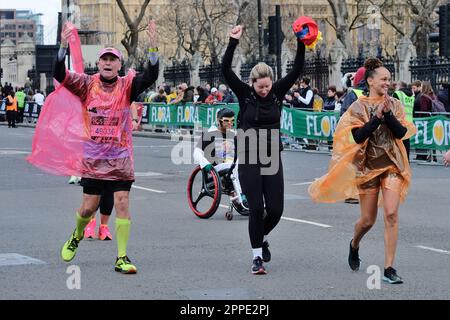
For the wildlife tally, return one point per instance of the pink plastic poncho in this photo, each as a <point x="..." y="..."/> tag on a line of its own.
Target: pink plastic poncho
<point x="85" y="127"/>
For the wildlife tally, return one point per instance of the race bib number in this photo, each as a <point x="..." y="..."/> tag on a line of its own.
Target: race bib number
<point x="105" y="129"/>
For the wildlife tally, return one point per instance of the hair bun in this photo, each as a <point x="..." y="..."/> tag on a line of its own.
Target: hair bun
<point x="372" y="64"/>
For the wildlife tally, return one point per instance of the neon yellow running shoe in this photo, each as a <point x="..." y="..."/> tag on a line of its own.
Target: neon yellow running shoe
<point x="69" y="248"/>
<point x="124" y="265"/>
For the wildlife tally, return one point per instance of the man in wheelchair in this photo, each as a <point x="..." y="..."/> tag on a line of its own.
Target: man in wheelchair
<point x="216" y="147"/>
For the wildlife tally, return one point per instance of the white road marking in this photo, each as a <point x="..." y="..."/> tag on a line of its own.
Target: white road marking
<point x="12" y="152"/>
<point x="308" y="222"/>
<point x="157" y="146"/>
<point x="223" y="206"/>
<point x="147" y="174"/>
<point x="433" y="249"/>
<point x="302" y="183"/>
<point x="148" y="189"/>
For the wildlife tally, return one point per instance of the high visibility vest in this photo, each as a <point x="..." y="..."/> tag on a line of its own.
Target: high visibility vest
<point x="408" y="102"/>
<point x="12" y="107"/>
<point x="358" y="92"/>
<point x="20" y="99"/>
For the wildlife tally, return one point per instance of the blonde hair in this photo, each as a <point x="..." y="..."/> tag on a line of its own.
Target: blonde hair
<point x="427" y="88"/>
<point x="261" y="70"/>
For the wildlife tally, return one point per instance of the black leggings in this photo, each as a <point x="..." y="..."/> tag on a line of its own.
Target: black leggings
<point x="11" y="116"/>
<point x="259" y="190"/>
<point x="106" y="202"/>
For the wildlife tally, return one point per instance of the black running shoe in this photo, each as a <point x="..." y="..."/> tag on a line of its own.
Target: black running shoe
<point x="257" y="267"/>
<point x="352" y="201"/>
<point x="353" y="258"/>
<point x="266" y="252"/>
<point x="390" y="276"/>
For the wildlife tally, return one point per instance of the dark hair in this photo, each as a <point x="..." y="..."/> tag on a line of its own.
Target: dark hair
<point x="200" y="90"/>
<point x="332" y="88"/>
<point x="306" y="80"/>
<point x="371" y="65"/>
<point x="403" y="84"/>
<point x="339" y="94"/>
<point x="225" y="112"/>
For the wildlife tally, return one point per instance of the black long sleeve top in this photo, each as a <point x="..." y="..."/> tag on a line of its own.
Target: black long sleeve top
<point x="363" y="133"/>
<point x="264" y="114"/>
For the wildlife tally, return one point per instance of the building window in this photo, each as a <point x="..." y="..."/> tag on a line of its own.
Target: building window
<point x="7" y="15"/>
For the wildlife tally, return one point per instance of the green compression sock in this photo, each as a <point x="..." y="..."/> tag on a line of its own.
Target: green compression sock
<point x="123" y="227"/>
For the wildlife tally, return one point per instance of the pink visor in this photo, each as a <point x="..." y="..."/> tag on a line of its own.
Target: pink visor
<point x="112" y="51"/>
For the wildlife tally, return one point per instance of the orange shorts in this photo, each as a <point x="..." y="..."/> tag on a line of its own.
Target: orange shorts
<point x="390" y="179"/>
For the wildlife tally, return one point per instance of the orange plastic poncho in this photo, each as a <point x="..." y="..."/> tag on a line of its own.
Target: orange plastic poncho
<point x="350" y="163"/>
<point x="85" y="126"/>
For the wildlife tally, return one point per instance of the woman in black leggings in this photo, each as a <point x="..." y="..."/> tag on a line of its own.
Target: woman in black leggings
<point x="260" y="168"/>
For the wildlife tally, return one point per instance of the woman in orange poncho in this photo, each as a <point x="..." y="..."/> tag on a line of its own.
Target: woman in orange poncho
<point x="369" y="156"/>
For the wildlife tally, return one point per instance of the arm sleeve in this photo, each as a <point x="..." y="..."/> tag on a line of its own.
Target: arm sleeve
<point x="59" y="73"/>
<point x="284" y="84"/>
<point x="142" y="82"/>
<point x="394" y="125"/>
<point x="364" y="132"/>
<point x="236" y="85"/>
<point x="307" y="99"/>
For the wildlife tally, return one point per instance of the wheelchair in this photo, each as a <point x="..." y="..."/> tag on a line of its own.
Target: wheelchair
<point x="204" y="192"/>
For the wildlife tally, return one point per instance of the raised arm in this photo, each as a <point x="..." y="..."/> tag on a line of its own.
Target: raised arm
<point x="284" y="84"/>
<point x="236" y="85"/>
<point x="142" y="82"/>
<point x="74" y="82"/>
<point x="59" y="73"/>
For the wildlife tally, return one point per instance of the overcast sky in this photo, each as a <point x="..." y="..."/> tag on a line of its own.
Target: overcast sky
<point x="49" y="9"/>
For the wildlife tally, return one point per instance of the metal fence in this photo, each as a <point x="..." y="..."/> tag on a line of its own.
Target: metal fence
<point x="178" y="73"/>
<point x="211" y="74"/>
<point x="434" y="69"/>
<point x="317" y="69"/>
<point x="353" y="64"/>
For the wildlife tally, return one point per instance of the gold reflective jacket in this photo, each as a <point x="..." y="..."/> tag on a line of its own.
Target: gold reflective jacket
<point x="353" y="164"/>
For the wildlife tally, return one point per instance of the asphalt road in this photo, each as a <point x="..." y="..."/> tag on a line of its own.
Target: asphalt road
<point x="182" y="257"/>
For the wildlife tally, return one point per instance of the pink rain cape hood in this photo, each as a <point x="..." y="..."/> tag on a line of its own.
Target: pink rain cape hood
<point x="61" y="131"/>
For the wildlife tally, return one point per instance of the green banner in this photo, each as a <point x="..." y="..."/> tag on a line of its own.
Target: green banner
<point x="207" y="113"/>
<point x="173" y="115"/>
<point x="432" y="133"/>
<point x="185" y="114"/>
<point x="308" y="124"/>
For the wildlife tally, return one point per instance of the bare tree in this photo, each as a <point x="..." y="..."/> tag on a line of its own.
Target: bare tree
<point x="343" y="24"/>
<point x="200" y="26"/>
<point x="422" y="14"/>
<point x="182" y="22"/>
<point x="131" y="36"/>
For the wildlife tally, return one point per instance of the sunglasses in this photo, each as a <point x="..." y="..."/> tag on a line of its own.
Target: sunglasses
<point x="227" y="120"/>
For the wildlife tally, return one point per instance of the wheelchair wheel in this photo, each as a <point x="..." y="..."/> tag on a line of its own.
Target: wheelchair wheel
<point x="204" y="192"/>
